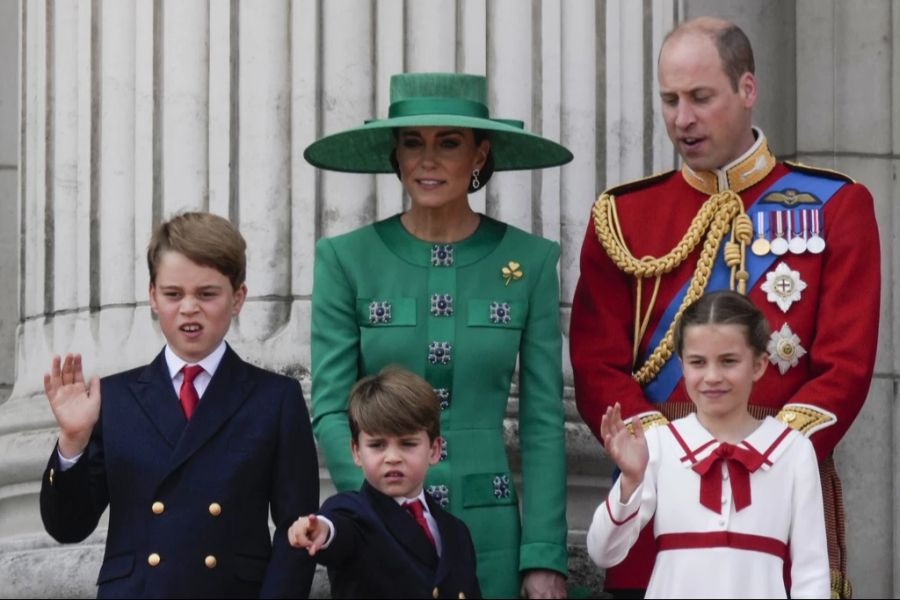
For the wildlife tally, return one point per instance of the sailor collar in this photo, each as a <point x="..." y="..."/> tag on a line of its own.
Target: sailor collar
<point x="771" y="439"/>
<point x="747" y="170"/>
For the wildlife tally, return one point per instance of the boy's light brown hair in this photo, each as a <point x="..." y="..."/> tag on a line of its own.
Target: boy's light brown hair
<point x="395" y="401"/>
<point x="206" y="239"/>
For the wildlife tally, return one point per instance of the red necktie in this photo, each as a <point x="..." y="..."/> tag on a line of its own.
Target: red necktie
<point x="188" y="394"/>
<point x="741" y="462"/>
<point x="418" y="513"/>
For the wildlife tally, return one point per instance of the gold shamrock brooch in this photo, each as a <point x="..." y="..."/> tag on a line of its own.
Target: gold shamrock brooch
<point x="511" y="271"/>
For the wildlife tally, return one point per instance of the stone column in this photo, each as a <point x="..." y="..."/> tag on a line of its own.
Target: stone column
<point x="132" y="110"/>
<point x="848" y="99"/>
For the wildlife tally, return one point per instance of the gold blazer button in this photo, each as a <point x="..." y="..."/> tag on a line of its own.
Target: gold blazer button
<point x="210" y="561"/>
<point x="153" y="559"/>
<point x="158" y="508"/>
<point x="215" y="509"/>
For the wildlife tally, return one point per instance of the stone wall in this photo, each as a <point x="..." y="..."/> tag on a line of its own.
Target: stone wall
<point x="131" y="110"/>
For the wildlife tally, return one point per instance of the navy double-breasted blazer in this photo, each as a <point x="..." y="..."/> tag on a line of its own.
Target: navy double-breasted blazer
<point x="189" y="501"/>
<point x="379" y="551"/>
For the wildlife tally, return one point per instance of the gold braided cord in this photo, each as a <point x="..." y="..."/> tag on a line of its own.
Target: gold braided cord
<point x="719" y="214"/>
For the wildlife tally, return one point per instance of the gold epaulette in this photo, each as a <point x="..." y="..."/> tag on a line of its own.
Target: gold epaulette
<point x="820" y="171"/>
<point x="805" y="418"/>
<point x="638" y="184"/>
<point x="649" y="420"/>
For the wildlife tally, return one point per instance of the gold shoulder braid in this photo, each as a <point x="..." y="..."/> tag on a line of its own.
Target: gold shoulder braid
<point x="805" y="418"/>
<point x="649" y="420"/>
<point x="721" y="212"/>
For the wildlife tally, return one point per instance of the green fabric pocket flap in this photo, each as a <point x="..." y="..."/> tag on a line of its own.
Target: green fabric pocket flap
<point x="488" y="489"/>
<point x="385" y="312"/>
<point x="508" y="314"/>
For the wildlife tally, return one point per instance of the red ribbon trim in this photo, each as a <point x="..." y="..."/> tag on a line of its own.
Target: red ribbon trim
<point x="718" y="539"/>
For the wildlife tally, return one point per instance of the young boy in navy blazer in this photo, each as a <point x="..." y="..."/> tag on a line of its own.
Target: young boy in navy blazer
<point x="190" y="452"/>
<point x="390" y="539"/>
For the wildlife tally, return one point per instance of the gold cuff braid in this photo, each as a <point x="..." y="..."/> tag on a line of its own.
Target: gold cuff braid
<point x="718" y="214"/>
<point x="840" y="585"/>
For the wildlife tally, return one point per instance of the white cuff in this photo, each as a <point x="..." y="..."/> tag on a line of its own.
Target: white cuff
<point x="331" y="532"/>
<point x="67" y="463"/>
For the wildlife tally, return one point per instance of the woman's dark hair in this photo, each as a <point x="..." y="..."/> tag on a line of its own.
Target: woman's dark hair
<point x="725" y="307"/>
<point x="486" y="170"/>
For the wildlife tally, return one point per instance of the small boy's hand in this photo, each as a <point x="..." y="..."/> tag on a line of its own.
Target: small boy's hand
<point x="75" y="407"/>
<point x="308" y="532"/>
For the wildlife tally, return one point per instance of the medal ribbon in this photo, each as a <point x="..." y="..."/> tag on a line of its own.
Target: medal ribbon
<point x="823" y="188"/>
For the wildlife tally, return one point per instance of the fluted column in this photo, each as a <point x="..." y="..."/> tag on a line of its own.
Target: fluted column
<point x="132" y="110"/>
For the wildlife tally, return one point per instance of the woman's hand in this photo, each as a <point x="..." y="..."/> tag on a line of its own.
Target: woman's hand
<point x="75" y="407"/>
<point x="543" y="583"/>
<point x="627" y="448"/>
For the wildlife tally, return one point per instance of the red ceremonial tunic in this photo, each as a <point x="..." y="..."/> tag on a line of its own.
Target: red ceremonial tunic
<point x="835" y="320"/>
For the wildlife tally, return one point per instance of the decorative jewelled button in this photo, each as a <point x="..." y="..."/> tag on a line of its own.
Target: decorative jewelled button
<point x="440" y="494"/>
<point x="379" y="312"/>
<point x="443" y="448"/>
<point x="439" y="353"/>
<point x="500" y="312"/>
<point x="442" y="255"/>
<point x="501" y="486"/>
<point x="441" y="305"/>
<point x="443" y="395"/>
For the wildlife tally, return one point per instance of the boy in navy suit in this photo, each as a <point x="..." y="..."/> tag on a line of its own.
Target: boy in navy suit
<point x="390" y="539"/>
<point x="190" y="452"/>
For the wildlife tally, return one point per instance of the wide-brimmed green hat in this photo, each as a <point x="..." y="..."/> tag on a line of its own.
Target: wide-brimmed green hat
<point x="434" y="99"/>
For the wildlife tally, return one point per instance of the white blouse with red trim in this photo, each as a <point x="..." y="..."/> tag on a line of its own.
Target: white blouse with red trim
<point x="727" y="554"/>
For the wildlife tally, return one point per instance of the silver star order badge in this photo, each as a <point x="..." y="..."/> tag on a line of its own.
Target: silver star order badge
<point x="783" y="286"/>
<point x="784" y="349"/>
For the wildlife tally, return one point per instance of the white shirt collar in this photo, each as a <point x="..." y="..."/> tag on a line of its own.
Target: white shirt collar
<point x="210" y="363"/>
<point x="421" y="498"/>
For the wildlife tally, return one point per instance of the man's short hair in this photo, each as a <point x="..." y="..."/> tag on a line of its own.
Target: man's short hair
<point x="394" y="401"/>
<point x="206" y="239"/>
<point x="732" y="43"/>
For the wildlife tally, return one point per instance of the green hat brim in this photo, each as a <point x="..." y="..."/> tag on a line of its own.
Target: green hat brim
<point x="367" y="149"/>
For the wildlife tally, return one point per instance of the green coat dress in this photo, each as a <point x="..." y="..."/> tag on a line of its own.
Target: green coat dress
<point x="449" y="313"/>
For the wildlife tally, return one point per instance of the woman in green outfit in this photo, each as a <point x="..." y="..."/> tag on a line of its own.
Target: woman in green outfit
<point x="456" y="297"/>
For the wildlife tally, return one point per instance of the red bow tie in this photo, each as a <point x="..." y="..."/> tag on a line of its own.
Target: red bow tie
<point x="741" y="462"/>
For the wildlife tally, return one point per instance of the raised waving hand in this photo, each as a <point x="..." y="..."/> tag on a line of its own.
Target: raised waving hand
<point x="628" y="448"/>
<point x="75" y="406"/>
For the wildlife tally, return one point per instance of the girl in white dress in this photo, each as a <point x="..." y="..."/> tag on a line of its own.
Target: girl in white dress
<point x="733" y="496"/>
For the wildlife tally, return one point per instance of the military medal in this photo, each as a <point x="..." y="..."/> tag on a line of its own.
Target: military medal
<point x="779" y="244"/>
<point x="783" y="286"/>
<point x="797" y="244"/>
<point x="784" y="349"/>
<point x="816" y="242"/>
<point x="760" y="246"/>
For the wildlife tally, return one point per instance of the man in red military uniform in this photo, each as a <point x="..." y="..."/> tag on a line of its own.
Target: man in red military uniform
<point x="802" y="243"/>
